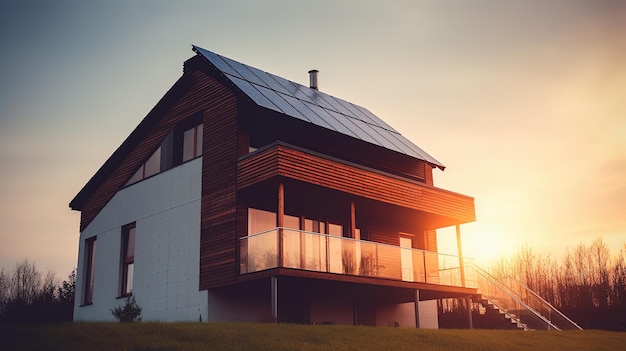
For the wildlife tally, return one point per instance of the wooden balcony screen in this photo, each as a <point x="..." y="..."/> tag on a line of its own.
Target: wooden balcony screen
<point x="280" y="160"/>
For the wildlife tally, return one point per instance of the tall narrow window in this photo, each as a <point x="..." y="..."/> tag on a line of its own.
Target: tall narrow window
<point x="90" y="260"/>
<point x="128" y="258"/>
<point x="192" y="143"/>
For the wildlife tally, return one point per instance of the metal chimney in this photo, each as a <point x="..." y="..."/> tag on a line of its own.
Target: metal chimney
<point x="313" y="79"/>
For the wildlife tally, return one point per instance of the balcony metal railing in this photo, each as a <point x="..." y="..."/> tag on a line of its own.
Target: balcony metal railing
<point x="290" y="248"/>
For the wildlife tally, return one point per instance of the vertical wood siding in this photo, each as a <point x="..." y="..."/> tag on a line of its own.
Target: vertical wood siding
<point x="218" y="254"/>
<point x="431" y="240"/>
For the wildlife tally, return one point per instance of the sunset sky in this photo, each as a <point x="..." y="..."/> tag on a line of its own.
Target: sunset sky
<point x="524" y="102"/>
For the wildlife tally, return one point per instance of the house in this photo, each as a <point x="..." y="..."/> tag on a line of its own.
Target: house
<point x="243" y="196"/>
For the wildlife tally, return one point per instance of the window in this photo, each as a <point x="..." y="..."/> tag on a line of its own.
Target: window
<point x="128" y="259"/>
<point x="182" y="144"/>
<point x="260" y="221"/>
<point x="151" y="167"/>
<point x="192" y="143"/>
<point x="90" y="260"/>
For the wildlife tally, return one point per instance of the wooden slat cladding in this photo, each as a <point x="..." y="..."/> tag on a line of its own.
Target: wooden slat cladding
<point x="265" y="128"/>
<point x="431" y="240"/>
<point x="218" y="252"/>
<point x="428" y="174"/>
<point x="281" y="160"/>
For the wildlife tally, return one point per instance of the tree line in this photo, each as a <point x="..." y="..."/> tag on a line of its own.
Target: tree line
<point x="28" y="295"/>
<point x="588" y="284"/>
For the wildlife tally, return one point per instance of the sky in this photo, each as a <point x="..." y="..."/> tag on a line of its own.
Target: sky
<point x="523" y="101"/>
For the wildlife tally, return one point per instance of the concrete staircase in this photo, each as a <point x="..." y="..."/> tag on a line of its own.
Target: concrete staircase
<point x="491" y="316"/>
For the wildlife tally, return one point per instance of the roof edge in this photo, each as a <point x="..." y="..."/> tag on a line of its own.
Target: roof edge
<point x="118" y="156"/>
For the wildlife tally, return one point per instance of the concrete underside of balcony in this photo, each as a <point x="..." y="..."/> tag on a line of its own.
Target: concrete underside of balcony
<point x="427" y="291"/>
<point x="314" y="298"/>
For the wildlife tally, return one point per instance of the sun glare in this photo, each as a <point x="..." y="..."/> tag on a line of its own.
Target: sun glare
<point x="483" y="244"/>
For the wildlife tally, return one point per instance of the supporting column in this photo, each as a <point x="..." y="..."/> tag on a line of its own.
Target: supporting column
<point x="460" y="249"/>
<point x="468" y="300"/>
<point x="417" y="308"/>
<point x="280" y="221"/>
<point x="274" y="296"/>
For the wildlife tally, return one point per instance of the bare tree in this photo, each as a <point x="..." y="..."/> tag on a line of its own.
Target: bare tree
<point x="4" y="292"/>
<point x="25" y="285"/>
<point x="587" y="283"/>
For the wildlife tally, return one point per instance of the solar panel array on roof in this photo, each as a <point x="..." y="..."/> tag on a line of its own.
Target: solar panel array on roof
<point x="311" y="105"/>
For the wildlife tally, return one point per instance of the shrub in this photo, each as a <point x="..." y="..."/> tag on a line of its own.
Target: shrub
<point x="129" y="312"/>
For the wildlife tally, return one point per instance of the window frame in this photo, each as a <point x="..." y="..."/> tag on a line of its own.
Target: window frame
<point x="89" y="271"/>
<point x="196" y="142"/>
<point x="170" y="152"/>
<point x="127" y="259"/>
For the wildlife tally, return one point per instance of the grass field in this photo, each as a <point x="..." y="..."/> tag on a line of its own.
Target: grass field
<point x="258" y="337"/>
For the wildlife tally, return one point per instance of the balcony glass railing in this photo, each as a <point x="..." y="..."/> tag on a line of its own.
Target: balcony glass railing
<point x="332" y="254"/>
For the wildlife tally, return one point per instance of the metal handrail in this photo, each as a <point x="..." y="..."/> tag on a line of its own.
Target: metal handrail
<point x="550" y="307"/>
<point x="511" y="294"/>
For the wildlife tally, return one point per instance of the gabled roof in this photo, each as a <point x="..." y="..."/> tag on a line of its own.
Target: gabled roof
<point x="311" y="105"/>
<point x="277" y="94"/>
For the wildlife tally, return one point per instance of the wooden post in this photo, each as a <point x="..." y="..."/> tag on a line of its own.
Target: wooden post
<point x="280" y="219"/>
<point x="417" y="308"/>
<point x="461" y="263"/>
<point x="352" y="220"/>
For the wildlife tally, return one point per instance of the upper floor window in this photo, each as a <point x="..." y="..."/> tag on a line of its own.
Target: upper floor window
<point x="151" y="167"/>
<point x="192" y="143"/>
<point x="184" y="143"/>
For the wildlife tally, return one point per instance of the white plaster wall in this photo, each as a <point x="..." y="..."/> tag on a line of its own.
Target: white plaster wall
<point x="166" y="208"/>
<point x="403" y="314"/>
<point x="429" y="317"/>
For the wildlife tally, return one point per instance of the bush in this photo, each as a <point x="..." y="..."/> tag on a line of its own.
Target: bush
<point x="129" y="312"/>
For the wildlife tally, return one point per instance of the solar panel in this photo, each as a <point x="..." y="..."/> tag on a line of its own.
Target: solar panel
<point x="330" y="119"/>
<point x="310" y="105"/>
<point x="269" y="81"/>
<point x="254" y="93"/>
<point x="279" y="100"/>
<point x="310" y="115"/>
<point x="216" y="60"/>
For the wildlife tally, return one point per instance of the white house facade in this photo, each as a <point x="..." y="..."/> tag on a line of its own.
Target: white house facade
<point x="165" y="210"/>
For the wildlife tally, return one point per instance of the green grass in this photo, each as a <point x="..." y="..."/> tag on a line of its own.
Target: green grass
<point x="258" y="337"/>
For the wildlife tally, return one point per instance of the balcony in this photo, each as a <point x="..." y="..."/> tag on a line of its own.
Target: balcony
<point x="297" y="249"/>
